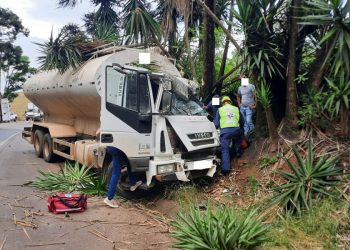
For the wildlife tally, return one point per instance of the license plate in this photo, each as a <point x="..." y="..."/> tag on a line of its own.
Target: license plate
<point x="204" y="164"/>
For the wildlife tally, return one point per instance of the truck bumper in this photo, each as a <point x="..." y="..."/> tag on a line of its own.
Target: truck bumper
<point x="182" y="171"/>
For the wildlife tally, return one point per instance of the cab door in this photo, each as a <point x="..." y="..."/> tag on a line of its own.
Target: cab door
<point x="126" y="121"/>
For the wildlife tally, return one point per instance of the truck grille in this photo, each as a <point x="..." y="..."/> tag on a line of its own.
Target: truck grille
<point x="198" y="155"/>
<point x="202" y="142"/>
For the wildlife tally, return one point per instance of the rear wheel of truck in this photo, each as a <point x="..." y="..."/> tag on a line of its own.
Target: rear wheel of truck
<point x="123" y="186"/>
<point x="38" y="142"/>
<point x="48" y="155"/>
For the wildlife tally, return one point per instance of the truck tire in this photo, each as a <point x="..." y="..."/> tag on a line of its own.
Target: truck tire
<point x="38" y="142"/>
<point x="48" y="155"/>
<point x="123" y="187"/>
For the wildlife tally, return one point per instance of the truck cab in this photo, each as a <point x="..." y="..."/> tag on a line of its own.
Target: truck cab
<point x="159" y="123"/>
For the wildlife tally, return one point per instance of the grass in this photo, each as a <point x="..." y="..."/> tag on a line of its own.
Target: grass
<point x="253" y="184"/>
<point x="186" y="195"/>
<point x="321" y="228"/>
<point x="267" y="161"/>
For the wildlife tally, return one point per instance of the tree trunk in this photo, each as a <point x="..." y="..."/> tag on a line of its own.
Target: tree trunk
<point x="344" y="121"/>
<point x="273" y="135"/>
<point x="188" y="47"/>
<point x="318" y="66"/>
<point x="160" y="45"/>
<point x="291" y="104"/>
<point x="208" y="50"/>
<point x="227" y="43"/>
<point x="218" y="23"/>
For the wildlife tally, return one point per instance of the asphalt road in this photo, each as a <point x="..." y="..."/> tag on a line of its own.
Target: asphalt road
<point x="10" y="130"/>
<point x="125" y="227"/>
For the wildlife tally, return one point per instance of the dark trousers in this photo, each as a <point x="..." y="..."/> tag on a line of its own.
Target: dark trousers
<point x="117" y="157"/>
<point x="225" y="140"/>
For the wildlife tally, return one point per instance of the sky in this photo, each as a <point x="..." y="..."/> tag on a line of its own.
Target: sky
<point x="40" y="17"/>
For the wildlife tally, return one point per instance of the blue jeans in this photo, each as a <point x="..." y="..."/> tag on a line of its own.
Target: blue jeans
<point x="247" y="113"/>
<point x="225" y="140"/>
<point x="117" y="157"/>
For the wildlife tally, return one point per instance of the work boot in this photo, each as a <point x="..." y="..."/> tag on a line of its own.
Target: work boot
<point x="111" y="203"/>
<point x="134" y="187"/>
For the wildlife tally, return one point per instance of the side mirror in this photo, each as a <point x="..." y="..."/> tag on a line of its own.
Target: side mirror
<point x="145" y="117"/>
<point x="119" y="68"/>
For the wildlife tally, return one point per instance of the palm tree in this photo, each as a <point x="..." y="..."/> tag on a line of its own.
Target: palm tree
<point x="104" y="16"/>
<point x="139" y="25"/>
<point x="291" y="102"/>
<point x="61" y="52"/>
<point x="208" y="49"/>
<point x="167" y="14"/>
<point x="227" y="43"/>
<point x="184" y="7"/>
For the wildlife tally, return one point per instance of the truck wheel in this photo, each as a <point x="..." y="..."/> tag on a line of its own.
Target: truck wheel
<point x="48" y="155"/>
<point x="123" y="187"/>
<point x="38" y="142"/>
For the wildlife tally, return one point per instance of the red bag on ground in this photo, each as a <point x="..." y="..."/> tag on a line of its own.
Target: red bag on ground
<point x="244" y="143"/>
<point x="60" y="203"/>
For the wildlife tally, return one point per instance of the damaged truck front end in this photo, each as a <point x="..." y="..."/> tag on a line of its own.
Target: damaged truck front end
<point x="157" y="121"/>
<point x="187" y="139"/>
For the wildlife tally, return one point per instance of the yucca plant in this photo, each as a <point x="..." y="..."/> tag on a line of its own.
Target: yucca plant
<point x="98" y="185"/>
<point x="70" y="178"/>
<point x="334" y="15"/>
<point x="263" y="94"/>
<point x="309" y="178"/>
<point x="138" y="24"/>
<point x="107" y="33"/>
<point x="61" y="52"/>
<point x="221" y="228"/>
<point x="338" y="101"/>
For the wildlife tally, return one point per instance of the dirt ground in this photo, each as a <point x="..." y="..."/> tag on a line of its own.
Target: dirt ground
<point x="26" y="223"/>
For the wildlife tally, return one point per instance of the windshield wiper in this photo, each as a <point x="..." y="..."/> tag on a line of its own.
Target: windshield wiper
<point x="181" y="109"/>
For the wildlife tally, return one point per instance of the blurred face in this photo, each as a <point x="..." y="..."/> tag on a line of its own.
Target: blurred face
<point x="244" y="81"/>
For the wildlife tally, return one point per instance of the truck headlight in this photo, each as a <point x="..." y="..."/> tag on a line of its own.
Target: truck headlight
<point x="162" y="169"/>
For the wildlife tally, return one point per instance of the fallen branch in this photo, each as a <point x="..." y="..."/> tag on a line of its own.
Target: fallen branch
<point x="22" y="206"/>
<point x="163" y="242"/>
<point x="25" y="223"/>
<point x="3" y="243"/>
<point x="46" y="244"/>
<point x="100" y="235"/>
<point x="26" y="233"/>
<point x="20" y="199"/>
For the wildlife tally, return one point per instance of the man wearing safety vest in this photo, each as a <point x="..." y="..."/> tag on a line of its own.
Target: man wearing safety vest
<point x="228" y="119"/>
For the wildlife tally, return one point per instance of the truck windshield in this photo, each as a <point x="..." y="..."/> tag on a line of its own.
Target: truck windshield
<point x="174" y="104"/>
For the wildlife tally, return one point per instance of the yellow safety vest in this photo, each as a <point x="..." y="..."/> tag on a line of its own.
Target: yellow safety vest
<point x="229" y="116"/>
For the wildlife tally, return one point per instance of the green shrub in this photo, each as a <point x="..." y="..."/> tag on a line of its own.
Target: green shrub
<point x="221" y="228"/>
<point x="312" y="109"/>
<point x="308" y="178"/>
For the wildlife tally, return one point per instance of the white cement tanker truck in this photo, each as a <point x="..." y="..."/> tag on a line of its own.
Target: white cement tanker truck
<point x="153" y="117"/>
